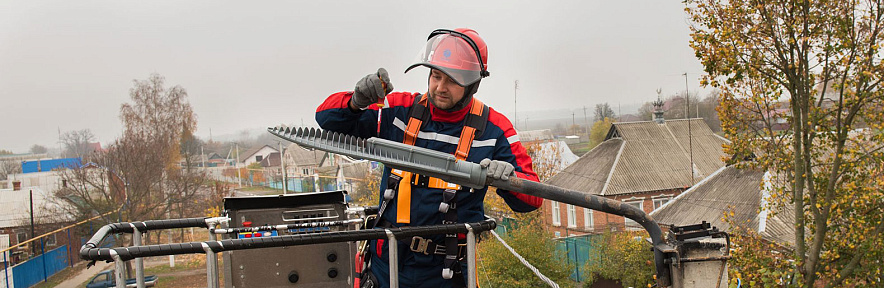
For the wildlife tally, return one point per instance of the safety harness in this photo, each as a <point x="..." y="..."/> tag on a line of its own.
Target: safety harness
<point x="400" y="183"/>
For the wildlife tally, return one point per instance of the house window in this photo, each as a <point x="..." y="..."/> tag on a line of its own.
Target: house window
<point x="306" y="171"/>
<point x="632" y="225"/>
<point x="50" y="240"/>
<point x="558" y="234"/>
<point x="587" y="219"/>
<point x="556" y="215"/>
<point x="258" y="158"/>
<point x="21" y="237"/>
<point x="658" y="202"/>
<point x="572" y="216"/>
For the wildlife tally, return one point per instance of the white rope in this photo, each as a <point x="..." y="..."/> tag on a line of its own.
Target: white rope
<point x="525" y="262"/>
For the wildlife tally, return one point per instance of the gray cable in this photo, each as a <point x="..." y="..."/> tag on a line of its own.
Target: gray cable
<point x="525" y="262"/>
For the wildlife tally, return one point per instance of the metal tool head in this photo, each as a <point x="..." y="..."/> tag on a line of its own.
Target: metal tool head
<point x="393" y="154"/>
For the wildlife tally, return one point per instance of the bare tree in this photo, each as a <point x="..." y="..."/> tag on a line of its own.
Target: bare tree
<point x="142" y="171"/>
<point x="76" y="143"/>
<point x="603" y="111"/>
<point x="38" y="149"/>
<point x="9" y="167"/>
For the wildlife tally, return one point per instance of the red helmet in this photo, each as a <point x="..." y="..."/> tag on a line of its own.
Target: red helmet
<point x="461" y="54"/>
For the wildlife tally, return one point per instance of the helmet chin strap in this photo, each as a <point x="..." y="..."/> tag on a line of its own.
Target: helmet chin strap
<point x="467" y="97"/>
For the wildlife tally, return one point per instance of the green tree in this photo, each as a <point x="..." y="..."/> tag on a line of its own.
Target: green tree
<point x="367" y="190"/>
<point x="499" y="268"/>
<point x="623" y="257"/>
<point x="817" y="66"/>
<point x="599" y="131"/>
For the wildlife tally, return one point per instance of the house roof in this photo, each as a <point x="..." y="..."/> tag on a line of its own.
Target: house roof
<point x="272" y="160"/>
<point x="304" y="157"/>
<point x="646" y="156"/>
<point x="590" y="172"/>
<point x="728" y="189"/>
<point x="356" y="170"/>
<point x="536" y="135"/>
<point x="16" y="211"/>
<point x="251" y="152"/>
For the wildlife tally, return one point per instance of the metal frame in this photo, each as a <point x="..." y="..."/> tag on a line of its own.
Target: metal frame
<point x="120" y="255"/>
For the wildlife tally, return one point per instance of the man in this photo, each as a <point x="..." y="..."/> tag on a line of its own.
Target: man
<point x="448" y="119"/>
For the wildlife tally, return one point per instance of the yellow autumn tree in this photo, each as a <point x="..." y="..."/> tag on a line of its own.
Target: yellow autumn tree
<point x="802" y="97"/>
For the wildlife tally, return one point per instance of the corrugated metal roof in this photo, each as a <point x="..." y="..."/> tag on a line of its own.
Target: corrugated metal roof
<point x="729" y="189"/>
<point x="653" y="157"/>
<point x="590" y="172"/>
<point x="304" y="157"/>
<point x="658" y="156"/>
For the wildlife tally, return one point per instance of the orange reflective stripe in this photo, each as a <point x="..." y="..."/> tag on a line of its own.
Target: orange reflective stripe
<point x="403" y="203"/>
<point x="440" y="184"/>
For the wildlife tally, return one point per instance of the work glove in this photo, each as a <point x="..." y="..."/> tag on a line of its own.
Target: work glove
<point x="497" y="170"/>
<point x="371" y="88"/>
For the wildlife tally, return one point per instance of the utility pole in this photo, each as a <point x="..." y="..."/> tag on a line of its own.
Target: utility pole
<point x="586" y="120"/>
<point x="203" y="156"/>
<point x="31" y="194"/>
<point x="238" y="171"/>
<point x="690" y="136"/>
<point x="282" y="162"/>
<point x="573" y="122"/>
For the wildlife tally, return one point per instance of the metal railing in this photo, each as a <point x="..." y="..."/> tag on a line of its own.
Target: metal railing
<point x="120" y="255"/>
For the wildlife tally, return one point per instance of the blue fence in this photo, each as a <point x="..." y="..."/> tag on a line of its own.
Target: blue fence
<point x="577" y="248"/>
<point x="39" y="268"/>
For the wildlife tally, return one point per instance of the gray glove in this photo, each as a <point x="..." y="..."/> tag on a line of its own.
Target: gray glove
<point x="371" y="88"/>
<point x="498" y="170"/>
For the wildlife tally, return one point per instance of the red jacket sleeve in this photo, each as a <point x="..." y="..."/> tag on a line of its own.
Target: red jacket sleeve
<point x="510" y="149"/>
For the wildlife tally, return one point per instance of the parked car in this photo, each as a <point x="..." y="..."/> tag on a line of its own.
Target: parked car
<point x="106" y="279"/>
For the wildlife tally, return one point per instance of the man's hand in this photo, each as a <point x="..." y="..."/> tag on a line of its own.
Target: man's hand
<point x="371" y="88"/>
<point x="498" y="170"/>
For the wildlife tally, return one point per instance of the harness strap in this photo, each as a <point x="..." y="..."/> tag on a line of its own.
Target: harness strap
<point x="470" y="129"/>
<point x="416" y="118"/>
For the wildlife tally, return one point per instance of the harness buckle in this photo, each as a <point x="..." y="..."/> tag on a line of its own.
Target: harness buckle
<point x="419" y="245"/>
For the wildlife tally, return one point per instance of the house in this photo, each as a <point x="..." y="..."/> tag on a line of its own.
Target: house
<point x="729" y="189"/>
<point x="536" y="136"/>
<point x="256" y="154"/>
<point x="349" y="175"/>
<point x="644" y="164"/>
<point x="15" y="222"/>
<point x="303" y="162"/>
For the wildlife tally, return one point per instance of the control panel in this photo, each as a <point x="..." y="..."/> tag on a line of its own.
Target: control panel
<point x="317" y="265"/>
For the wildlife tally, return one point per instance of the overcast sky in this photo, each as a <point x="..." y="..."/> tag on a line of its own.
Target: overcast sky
<point x="68" y="65"/>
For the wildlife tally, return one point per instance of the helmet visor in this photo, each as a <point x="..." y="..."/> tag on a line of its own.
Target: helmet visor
<point x="453" y="56"/>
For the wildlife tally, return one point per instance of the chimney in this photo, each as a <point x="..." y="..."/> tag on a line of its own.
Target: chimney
<point x="658" y="109"/>
<point x="16" y="185"/>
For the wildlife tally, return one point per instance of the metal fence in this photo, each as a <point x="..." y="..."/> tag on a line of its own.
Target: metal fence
<point x="577" y="249"/>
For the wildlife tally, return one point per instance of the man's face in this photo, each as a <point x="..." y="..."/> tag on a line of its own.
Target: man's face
<point x="444" y="92"/>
